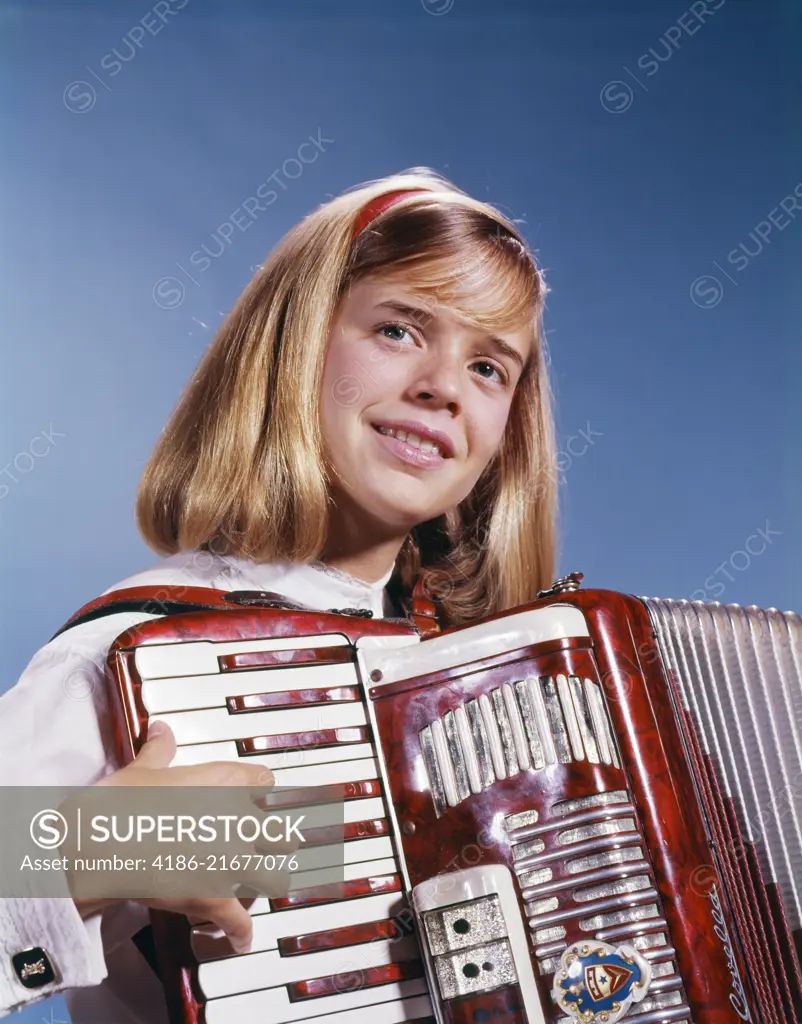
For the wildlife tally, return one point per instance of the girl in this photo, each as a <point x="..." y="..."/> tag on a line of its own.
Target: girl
<point x="373" y="411"/>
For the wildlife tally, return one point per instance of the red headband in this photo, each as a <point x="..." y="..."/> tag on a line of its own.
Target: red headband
<point x="371" y="210"/>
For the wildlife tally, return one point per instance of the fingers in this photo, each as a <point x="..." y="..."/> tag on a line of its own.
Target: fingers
<point x="159" y="748"/>
<point x="221" y="773"/>
<point x="270" y="882"/>
<point x="276" y="846"/>
<point x="231" y="917"/>
<point x="158" y="752"/>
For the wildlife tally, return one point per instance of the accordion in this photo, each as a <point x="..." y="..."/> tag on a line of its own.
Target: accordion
<point x="587" y="807"/>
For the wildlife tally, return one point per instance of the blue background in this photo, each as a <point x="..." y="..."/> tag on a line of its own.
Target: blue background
<point x="629" y="192"/>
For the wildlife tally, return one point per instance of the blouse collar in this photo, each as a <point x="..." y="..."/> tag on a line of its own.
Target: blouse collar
<point x="314" y="583"/>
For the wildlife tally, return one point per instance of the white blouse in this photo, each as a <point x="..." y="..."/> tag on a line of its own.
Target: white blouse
<point x="55" y="729"/>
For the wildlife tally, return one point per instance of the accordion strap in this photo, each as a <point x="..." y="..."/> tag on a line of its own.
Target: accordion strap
<point x="151" y="600"/>
<point x="422" y="610"/>
<point x="175" y="600"/>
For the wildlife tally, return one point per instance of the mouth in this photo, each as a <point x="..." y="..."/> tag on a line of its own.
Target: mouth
<point x="418" y="437"/>
<point x="412" y="448"/>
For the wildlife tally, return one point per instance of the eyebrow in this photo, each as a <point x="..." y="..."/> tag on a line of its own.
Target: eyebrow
<point x="423" y="316"/>
<point x="413" y="312"/>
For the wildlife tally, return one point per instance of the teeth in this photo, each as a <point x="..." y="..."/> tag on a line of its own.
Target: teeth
<point x="413" y="440"/>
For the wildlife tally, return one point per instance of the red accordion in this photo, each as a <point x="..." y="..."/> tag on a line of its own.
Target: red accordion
<point x="588" y="804"/>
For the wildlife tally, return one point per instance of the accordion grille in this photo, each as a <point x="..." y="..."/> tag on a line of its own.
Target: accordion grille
<point x="738" y="672"/>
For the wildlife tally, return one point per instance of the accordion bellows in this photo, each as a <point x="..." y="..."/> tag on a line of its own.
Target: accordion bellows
<point x="589" y="806"/>
<point x="738" y="675"/>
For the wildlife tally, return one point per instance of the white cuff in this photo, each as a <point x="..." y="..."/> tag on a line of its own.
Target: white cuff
<point x="73" y="946"/>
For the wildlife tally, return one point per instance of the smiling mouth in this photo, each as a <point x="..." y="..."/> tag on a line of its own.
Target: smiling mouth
<point x="422" y="444"/>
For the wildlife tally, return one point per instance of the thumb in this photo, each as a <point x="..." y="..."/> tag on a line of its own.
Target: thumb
<point x="159" y="748"/>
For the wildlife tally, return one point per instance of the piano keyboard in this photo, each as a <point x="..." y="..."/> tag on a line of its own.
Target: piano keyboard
<point x="333" y="952"/>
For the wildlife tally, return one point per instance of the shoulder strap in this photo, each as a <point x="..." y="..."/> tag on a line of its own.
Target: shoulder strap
<point x="422" y="611"/>
<point x="167" y="600"/>
<point x="162" y="600"/>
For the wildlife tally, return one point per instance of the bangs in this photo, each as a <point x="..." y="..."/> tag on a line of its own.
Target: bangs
<point x="496" y="290"/>
<point x="457" y="257"/>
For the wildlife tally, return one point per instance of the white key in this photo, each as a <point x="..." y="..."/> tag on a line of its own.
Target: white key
<point x="364" y="809"/>
<point x="351" y="872"/>
<point x="202" y="753"/>
<point x="384" y="1004"/>
<point x="329" y="774"/>
<point x="334" y="855"/>
<point x="364" y="869"/>
<point x="269" y="928"/>
<point x="157" y="661"/>
<point x="215" y="725"/>
<point x="320" y="756"/>
<point x="182" y="693"/>
<point x="241" y="973"/>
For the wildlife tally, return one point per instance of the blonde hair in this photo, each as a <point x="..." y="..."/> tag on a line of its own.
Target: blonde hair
<point x="239" y="468"/>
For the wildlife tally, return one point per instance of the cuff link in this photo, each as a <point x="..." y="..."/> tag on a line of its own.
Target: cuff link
<point x="34" y="968"/>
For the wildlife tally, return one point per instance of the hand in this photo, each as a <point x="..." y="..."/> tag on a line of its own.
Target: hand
<point x="151" y="768"/>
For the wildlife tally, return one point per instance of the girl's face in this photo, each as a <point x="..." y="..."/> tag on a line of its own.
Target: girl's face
<point x="414" y="403"/>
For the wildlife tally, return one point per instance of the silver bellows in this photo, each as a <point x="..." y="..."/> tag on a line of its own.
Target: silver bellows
<point x="739" y="674"/>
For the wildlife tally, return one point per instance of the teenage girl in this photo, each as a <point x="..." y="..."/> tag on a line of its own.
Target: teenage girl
<point x="374" y="411"/>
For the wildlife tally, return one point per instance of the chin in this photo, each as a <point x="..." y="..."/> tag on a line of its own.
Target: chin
<point x="402" y="519"/>
<point x="402" y="516"/>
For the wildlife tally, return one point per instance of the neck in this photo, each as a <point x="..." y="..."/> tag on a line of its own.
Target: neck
<point x="352" y="547"/>
<point x="366" y="563"/>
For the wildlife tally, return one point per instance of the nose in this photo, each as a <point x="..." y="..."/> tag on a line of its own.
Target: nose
<point x="436" y="382"/>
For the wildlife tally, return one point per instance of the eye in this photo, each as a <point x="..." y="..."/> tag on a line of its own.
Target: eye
<point x="399" y="328"/>
<point x="502" y="377"/>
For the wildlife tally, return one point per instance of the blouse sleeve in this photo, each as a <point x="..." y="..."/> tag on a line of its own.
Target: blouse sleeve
<point x="52" y="927"/>
<point x="55" y="729"/>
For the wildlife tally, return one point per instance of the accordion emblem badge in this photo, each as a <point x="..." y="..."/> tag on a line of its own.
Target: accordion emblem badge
<point x="599" y="982"/>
